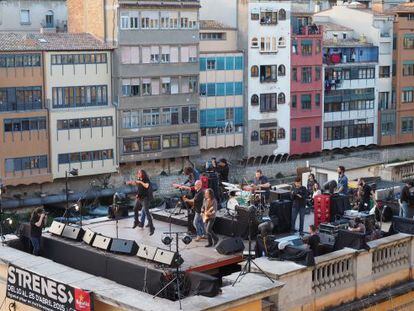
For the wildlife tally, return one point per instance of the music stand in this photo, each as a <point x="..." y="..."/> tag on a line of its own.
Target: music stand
<point x="249" y="261"/>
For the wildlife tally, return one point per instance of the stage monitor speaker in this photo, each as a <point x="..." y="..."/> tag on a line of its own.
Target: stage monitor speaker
<point x="126" y="247"/>
<point x="146" y="252"/>
<point x="73" y="233"/>
<point x="166" y="257"/>
<point x="229" y="246"/>
<point x="102" y="242"/>
<point x="89" y="236"/>
<point x="57" y="228"/>
<point x="350" y="239"/>
<point x="203" y="284"/>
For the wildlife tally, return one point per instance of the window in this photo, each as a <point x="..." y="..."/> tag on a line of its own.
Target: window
<point x="189" y="140"/>
<point x="254" y="136"/>
<point x="407" y="95"/>
<point x="294" y="47"/>
<point x="268" y="137"/>
<point x="408" y="42"/>
<point x="254" y="71"/>
<point x="211" y="63"/>
<point x="281" y="98"/>
<point x="318" y="46"/>
<point x="49" y="19"/>
<point x="294" y="101"/>
<point x="406" y="125"/>
<point x="383" y="100"/>
<point x="318" y="99"/>
<point x="152" y="143"/>
<point x="305" y="135"/>
<point x="282" y="14"/>
<point x="20" y="98"/>
<point x="26" y="124"/>
<point x="293" y="134"/>
<point x="169" y="20"/>
<point x="281" y="133"/>
<point x="268" y="73"/>
<point x="149" y="20"/>
<point x="268" y="45"/>
<point x="254" y="100"/>
<point x="348" y="129"/>
<point x="268" y="18"/>
<point x="170" y="141"/>
<point x="212" y="36"/>
<point x="26" y="163"/>
<point x="387" y="124"/>
<point x="306" y="47"/>
<point x="132" y="145"/>
<point x="25" y="17"/>
<point x="268" y="102"/>
<point x="366" y="73"/>
<point x="294" y="74"/>
<point x="255" y="43"/>
<point x="307" y="75"/>
<point x="79" y="96"/>
<point x="384" y="71"/>
<point x="146" y="87"/>
<point x="281" y="42"/>
<point x="317" y="73"/>
<point x="281" y="71"/>
<point x="124" y="20"/>
<point x="317" y="132"/>
<point x="306" y="100"/>
<point x="408" y="68"/>
<point x="254" y="16"/>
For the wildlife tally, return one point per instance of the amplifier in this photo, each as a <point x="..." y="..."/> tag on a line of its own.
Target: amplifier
<point x="367" y="219"/>
<point x="102" y="242"/>
<point x="57" y="228"/>
<point x="89" y="236"/>
<point x="333" y="228"/>
<point x="327" y="239"/>
<point x="146" y="252"/>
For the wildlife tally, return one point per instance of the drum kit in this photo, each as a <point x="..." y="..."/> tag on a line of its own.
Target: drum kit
<point x="247" y="198"/>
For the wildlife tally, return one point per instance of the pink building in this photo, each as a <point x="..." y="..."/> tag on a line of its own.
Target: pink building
<point x="306" y="87"/>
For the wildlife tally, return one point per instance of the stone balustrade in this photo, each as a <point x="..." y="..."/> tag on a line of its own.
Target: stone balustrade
<point x="329" y="273"/>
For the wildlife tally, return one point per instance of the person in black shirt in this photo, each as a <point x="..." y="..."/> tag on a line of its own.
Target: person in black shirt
<point x="313" y="240"/>
<point x="405" y="199"/>
<point x="299" y="195"/>
<point x="223" y="170"/>
<point x="364" y="195"/>
<point x="197" y="203"/>
<point x="38" y="221"/>
<point x="143" y="198"/>
<point x="261" y="182"/>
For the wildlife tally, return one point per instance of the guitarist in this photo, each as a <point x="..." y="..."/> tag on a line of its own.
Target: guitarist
<point x="209" y="211"/>
<point x="197" y="203"/>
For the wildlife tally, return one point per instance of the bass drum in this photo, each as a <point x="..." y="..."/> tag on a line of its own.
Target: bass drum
<point x="231" y="206"/>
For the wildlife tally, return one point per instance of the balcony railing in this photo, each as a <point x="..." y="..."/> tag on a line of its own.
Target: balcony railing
<point x="309" y="30"/>
<point x="389" y="257"/>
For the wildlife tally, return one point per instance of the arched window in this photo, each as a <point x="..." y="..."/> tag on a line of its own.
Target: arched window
<point x="281" y="98"/>
<point x="281" y="71"/>
<point x="255" y="43"/>
<point x="282" y="41"/>
<point x="282" y="15"/>
<point x="49" y="19"/>
<point x="281" y="133"/>
<point x="254" y="136"/>
<point x="254" y="100"/>
<point x="254" y="71"/>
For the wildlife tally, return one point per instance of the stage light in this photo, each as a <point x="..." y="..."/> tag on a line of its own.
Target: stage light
<point x="186" y="239"/>
<point x="9" y="221"/>
<point x="76" y="207"/>
<point x="166" y="240"/>
<point x="74" y="172"/>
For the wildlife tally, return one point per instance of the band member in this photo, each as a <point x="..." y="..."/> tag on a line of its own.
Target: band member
<point x="143" y="198"/>
<point x="197" y="203"/>
<point x="364" y="195"/>
<point x="192" y="176"/>
<point x="209" y="216"/>
<point x="342" y="181"/>
<point x="38" y="221"/>
<point x="223" y="170"/>
<point x="299" y="195"/>
<point x="261" y="182"/>
<point x="313" y="240"/>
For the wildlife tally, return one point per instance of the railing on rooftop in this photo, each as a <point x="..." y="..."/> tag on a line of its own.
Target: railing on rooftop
<point x="386" y="258"/>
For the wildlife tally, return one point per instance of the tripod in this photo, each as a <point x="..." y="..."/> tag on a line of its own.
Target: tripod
<point x="176" y="278"/>
<point x="249" y="260"/>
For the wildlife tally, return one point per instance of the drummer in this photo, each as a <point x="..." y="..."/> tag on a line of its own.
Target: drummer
<point x="261" y="183"/>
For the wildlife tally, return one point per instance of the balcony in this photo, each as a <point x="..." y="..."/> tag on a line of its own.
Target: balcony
<point x="350" y="55"/>
<point x="309" y="30"/>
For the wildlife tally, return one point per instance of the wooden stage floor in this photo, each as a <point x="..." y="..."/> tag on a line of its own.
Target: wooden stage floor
<point x="196" y="256"/>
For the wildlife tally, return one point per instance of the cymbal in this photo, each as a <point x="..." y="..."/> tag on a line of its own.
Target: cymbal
<point x="260" y="191"/>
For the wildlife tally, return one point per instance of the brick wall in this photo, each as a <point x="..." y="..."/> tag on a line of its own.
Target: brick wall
<point x="86" y="16"/>
<point x="76" y="18"/>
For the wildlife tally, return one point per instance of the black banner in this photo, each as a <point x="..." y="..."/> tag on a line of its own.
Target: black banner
<point x="45" y="294"/>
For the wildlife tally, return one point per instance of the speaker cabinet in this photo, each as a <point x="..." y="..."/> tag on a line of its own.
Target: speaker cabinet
<point x="146" y="252"/>
<point x="102" y="242"/>
<point x="230" y="246"/>
<point x="165" y="257"/>
<point x="89" y="236"/>
<point x="57" y="228"/>
<point x="126" y="247"/>
<point x="203" y="284"/>
<point x="73" y="233"/>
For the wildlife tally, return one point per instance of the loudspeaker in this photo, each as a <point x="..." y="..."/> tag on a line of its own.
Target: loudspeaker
<point x="73" y="233"/>
<point x="121" y="246"/>
<point x="146" y="252"/>
<point x="230" y="246"/>
<point x="57" y="228"/>
<point x="204" y="284"/>
<point x="89" y="236"/>
<point x="102" y="242"/>
<point x="350" y="239"/>
<point x="402" y="225"/>
<point x="167" y="257"/>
